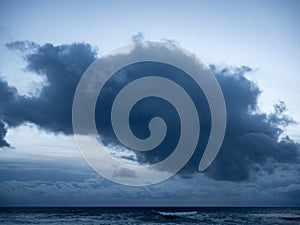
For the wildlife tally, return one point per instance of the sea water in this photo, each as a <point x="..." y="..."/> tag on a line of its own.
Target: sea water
<point x="148" y="215"/>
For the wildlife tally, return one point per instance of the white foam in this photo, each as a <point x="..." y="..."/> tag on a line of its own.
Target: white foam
<point x="178" y="213"/>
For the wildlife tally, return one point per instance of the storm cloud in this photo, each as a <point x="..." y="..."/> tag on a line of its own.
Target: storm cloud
<point x="62" y="67"/>
<point x="252" y="141"/>
<point x="3" y="132"/>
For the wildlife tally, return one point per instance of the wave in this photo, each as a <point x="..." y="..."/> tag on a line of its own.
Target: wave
<point x="179" y="214"/>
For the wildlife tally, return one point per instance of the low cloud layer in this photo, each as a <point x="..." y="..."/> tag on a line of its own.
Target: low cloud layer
<point x="252" y="142"/>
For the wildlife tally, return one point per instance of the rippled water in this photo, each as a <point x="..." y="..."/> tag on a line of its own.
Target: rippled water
<point x="138" y="215"/>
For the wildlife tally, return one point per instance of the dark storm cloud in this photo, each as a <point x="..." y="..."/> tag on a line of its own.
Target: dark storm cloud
<point x="7" y="98"/>
<point x="251" y="142"/>
<point x="3" y="131"/>
<point x="62" y="66"/>
<point x="252" y="138"/>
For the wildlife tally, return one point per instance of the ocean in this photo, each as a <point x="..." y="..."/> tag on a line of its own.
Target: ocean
<point x="148" y="215"/>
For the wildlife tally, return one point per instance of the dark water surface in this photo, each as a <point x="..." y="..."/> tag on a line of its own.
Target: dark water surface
<point x="148" y="215"/>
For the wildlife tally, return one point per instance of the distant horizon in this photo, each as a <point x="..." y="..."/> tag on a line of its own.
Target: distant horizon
<point x="58" y="206"/>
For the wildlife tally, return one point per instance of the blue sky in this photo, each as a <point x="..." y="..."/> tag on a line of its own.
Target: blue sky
<point x="47" y="166"/>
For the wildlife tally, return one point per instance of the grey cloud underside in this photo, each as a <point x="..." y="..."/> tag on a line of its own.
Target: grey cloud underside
<point x="251" y="141"/>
